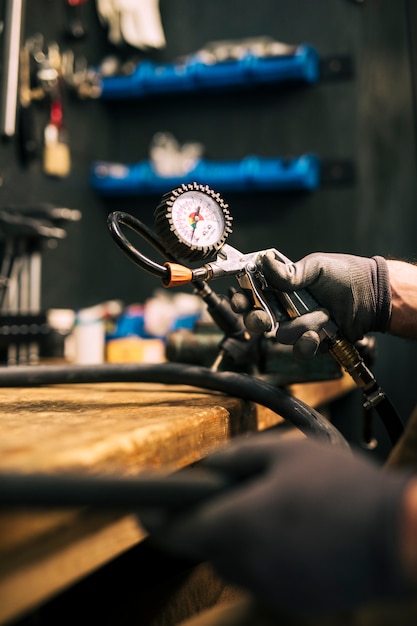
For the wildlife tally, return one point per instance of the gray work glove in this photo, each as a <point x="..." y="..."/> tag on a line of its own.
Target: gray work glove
<point x="353" y="290"/>
<point x="304" y="526"/>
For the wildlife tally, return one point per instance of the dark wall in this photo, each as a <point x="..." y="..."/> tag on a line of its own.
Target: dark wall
<point x="367" y="118"/>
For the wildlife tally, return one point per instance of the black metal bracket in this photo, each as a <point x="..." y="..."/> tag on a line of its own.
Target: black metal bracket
<point x="336" y="67"/>
<point x="337" y="172"/>
<point x="19" y="329"/>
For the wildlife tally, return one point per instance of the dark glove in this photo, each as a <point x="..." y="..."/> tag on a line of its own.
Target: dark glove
<point x="305" y="527"/>
<point x="354" y="290"/>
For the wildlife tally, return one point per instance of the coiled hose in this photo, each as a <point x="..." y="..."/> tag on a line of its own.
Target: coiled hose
<point x="305" y="418"/>
<point x="180" y="489"/>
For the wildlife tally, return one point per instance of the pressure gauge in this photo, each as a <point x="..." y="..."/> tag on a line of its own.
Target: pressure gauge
<point x="193" y="222"/>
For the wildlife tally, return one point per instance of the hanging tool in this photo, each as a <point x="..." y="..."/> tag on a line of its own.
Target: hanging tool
<point x="56" y="215"/>
<point x="28" y="140"/>
<point x="56" y="155"/>
<point x="192" y="223"/>
<point x="14" y="11"/>
<point x="44" y="70"/>
<point x="76" y="26"/>
<point x="23" y="232"/>
<point x="137" y="24"/>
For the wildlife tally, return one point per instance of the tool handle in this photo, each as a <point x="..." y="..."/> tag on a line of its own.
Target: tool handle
<point x="76" y="27"/>
<point x="297" y="303"/>
<point x="10" y="80"/>
<point x="294" y="303"/>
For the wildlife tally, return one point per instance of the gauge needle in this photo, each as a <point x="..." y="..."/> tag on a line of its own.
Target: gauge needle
<point x="195" y="221"/>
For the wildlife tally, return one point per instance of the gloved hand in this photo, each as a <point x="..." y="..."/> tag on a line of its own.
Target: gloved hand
<point x="305" y="527"/>
<point x="354" y="290"/>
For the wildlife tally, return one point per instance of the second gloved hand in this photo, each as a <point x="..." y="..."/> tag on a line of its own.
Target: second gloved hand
<point x="304" y="526"/>
<point x="353" y="290"/>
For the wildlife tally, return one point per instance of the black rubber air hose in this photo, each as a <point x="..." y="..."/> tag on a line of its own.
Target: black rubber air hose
<point x="174" y="491"/>
<point x="305" y="418"/>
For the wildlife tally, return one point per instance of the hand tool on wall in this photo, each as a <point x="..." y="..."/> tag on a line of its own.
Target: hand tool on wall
<point x="23" y="233"/>
<point x="27" y="135"/>
<point x="41" y="79"/>
<point x="56" y="152"/>
<point x="76" y="25"/>
<point x="135" y="23"/>
<point x="78" y="76"/>
<point x="50" y="213"/>
<point x="14" y="10"/>
<point x="192" y="223"/>
<point x="32" y="49"/>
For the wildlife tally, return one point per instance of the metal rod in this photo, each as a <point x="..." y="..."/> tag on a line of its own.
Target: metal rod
<point x="11" y="53"/>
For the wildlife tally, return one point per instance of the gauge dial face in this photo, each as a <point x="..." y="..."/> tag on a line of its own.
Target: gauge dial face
<point x="192" y="222"/>
<point x="198" y="219"/>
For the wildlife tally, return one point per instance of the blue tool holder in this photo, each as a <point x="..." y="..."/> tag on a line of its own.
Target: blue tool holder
<point x="150" y="78"/>
<point x="249" y="174"/>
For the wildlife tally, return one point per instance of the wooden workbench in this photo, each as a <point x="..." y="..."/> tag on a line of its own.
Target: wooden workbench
<point x="104" y="429"/>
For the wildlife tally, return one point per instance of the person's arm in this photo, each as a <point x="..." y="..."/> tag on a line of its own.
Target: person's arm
<point x="403" y="283"/>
